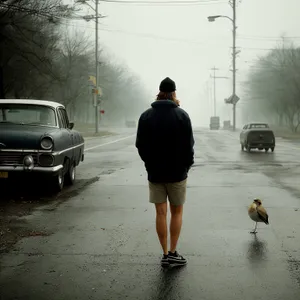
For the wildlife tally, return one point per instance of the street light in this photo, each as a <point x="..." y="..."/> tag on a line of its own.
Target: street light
<point x="234" y="98"/>
<point x="213" y="18"/>
<point x="89" y="18"/>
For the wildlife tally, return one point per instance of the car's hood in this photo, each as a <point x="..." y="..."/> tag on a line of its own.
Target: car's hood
<point x="14" y="136"/>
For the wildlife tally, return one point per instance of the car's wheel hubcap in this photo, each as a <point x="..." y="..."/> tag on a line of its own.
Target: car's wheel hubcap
<point x="73" y="173"/>
<point x="59" y="179"/>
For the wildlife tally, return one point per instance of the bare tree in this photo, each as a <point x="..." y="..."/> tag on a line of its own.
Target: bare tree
<point x="28" y="40"/>
<point x="74" y="65"/>
<point x="274" y="87"/>
<point x="36" y="61"/>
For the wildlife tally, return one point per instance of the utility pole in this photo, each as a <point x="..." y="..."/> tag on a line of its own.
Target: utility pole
<point x="215" y="94"/>
<point x="97" y="79"/>
<point x="234" y="54"/>
<point x="233" y="99"/>
<point x="96" y="90"/>
<point x="215" y="97"/>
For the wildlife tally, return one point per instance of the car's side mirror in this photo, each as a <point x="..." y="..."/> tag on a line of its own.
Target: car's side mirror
<point x="71" y="125"/>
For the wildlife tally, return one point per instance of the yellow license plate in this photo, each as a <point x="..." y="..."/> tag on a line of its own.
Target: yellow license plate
<point x="3" y="174"/>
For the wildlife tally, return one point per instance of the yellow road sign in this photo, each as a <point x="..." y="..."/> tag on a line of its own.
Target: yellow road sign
<point x="92" y="79"/>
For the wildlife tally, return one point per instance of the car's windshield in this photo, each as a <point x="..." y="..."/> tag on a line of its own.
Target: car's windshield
<point x="28" y="114"/>
<point x="259" y="126"/>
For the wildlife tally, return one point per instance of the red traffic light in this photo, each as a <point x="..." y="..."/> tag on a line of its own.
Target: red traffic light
<point x="102" y="111"/>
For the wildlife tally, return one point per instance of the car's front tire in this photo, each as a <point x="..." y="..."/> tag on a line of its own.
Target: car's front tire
<point x="70" y="176"/>
<point x="57" y="183"/>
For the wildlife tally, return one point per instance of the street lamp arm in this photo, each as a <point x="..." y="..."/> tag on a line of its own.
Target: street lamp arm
<point x="92" y="17"/>
<point x="227" y="18"/>
<point x="213" y="18"/>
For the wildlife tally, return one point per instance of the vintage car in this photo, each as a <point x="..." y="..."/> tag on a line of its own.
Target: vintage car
<point x="257" y="136"/>
<point x="36" y="138"/>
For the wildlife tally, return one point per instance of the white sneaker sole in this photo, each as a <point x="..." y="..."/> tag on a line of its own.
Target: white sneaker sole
<point x="177" y="263"/>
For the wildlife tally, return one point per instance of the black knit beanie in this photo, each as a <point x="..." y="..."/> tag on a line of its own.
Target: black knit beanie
<point x="167" y="86"/>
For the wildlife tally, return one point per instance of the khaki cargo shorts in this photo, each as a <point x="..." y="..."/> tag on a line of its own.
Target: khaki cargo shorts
<point x="175" y="192"/>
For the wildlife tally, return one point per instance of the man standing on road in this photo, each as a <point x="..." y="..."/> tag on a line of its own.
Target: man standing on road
<point x="165" y="143"/>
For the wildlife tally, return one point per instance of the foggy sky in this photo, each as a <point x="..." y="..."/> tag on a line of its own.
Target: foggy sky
<point x="156" y="41"/>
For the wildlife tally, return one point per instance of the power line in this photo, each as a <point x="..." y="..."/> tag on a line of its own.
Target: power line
<point x="146" y="35"/>
<point x="143" y="35"/>
<point x="168" y="39"/>
<point x="163" y="3"/>
<point x="150" y="35"/>
<point x="265" y="39"/>
<point x="270" y="37"/>
<point x="45" y="13"/>
<point x="40" y="13"/>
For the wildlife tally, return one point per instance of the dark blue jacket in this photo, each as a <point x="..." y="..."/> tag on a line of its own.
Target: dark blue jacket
<point x="165" y="142"/>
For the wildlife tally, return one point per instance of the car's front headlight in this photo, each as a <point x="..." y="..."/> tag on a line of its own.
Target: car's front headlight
<point x="47" y="143"/>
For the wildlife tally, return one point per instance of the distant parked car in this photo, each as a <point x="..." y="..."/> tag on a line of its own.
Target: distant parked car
<point x="226" y="125"/>
<point x="214" y="123"/>
<point x="257" y="136"/>
<point x="37" y="138"/>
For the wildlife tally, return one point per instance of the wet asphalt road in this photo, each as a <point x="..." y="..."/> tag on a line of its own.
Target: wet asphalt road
<point x="101" y="242"/>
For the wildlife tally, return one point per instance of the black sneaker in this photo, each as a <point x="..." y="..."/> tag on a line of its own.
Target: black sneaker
<point x="176" y="260"/>
<point x="164" y="261"/>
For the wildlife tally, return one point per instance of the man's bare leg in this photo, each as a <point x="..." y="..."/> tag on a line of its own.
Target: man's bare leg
<point x="175" y="225"/>
<point x="161" y="225"/>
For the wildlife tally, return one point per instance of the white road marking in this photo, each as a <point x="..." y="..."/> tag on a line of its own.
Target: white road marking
<point x="108" y="143"/>
<point x="92" y="137"/>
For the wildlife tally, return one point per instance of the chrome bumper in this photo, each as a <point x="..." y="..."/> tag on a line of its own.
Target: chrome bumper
<point x="34" y="169"/>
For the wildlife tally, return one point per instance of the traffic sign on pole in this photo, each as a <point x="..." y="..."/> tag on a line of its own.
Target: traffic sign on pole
<point x="234" y="99"/>
<point x="92" y="79"/>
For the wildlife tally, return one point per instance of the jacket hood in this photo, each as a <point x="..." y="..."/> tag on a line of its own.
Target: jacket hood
<point x="164" y="104"/>
<point x="13" y="136"/>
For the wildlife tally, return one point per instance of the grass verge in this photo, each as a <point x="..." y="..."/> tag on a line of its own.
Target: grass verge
<point x="287" y="134"/>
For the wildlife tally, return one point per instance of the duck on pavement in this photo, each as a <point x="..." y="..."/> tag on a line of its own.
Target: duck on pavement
<point x="258" y="214"/>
